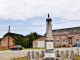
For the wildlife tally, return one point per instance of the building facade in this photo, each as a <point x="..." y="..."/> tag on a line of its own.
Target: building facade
<point x="67" y="37"/>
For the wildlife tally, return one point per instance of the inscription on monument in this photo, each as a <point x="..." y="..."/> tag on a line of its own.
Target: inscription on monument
<point x="49" y="45"/>
<point x="46" y="54"/>
<point x="50" y="55"/>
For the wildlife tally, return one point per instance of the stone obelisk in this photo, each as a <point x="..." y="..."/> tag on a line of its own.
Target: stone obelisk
<point x="49" y="41"/>
<point x="49" y="47"/>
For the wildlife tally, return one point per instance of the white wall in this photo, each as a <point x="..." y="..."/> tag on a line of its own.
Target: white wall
<point x="41" y="44"/>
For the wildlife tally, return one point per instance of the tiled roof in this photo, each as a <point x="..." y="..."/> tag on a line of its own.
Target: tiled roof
<point x="12" y="35"/>
<point x="40" y="39"/>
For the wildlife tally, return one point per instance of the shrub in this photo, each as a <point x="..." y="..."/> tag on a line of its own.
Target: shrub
<point x="59" y="45"/>
<point x="64" y="45"/>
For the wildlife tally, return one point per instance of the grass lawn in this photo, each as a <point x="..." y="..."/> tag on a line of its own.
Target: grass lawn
<point x="3" y="49"/>
<point x="34" y="48"/>
<point x="44" y="48"/>
<point x="79" y="57"/>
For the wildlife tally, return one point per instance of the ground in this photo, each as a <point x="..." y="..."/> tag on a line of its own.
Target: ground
<point x="8" y="56"/>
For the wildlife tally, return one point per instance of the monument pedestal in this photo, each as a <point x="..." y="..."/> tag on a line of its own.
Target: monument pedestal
<point x="50" y="56"/>
<point x="49" y="51"/>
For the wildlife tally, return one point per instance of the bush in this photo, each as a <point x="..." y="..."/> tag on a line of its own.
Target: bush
<point x="64" y="45"/>
<point x="59" y="45"/>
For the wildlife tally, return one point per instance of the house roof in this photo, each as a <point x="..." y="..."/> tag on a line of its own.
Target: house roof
<point x="66" y="28"/>
<point x="40" y="39"/>
<point x="73" y="30"/>
<point x="12" y="35"/>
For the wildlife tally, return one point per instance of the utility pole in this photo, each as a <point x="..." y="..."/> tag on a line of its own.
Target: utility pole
<point x="8" y="36"/>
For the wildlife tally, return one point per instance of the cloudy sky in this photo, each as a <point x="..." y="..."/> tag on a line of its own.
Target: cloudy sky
<point x="25" y="16"/>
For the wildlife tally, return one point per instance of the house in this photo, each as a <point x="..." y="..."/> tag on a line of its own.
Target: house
<point x="66" y="36"/>
<point x="8" y="36"/>
<point x="0" y="42"/>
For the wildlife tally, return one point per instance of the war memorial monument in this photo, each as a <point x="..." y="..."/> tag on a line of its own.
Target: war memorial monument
<point x="49" y="41"/>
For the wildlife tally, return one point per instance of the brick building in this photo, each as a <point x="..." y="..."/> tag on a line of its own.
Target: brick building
<point x="67" y="36"/>
<point x="4" y="41"/>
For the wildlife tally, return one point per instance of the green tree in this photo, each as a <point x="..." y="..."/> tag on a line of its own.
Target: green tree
<point x="27" y="41"/>
<point x="32" y="36"/>
<point x="24" y="42"/>
<point x="19" y="40"/>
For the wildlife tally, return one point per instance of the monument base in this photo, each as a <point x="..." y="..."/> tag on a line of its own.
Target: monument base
<point x="50" y="59"/>
<point x="50" y="56"/>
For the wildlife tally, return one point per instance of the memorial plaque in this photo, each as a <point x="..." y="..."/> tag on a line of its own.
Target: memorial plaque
<point x="52" y="55"/>
<point x="49" y="45"/>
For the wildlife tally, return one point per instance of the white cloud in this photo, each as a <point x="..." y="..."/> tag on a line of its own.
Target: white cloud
<point x="24" y="9"/>
<point x="18" y="23"/>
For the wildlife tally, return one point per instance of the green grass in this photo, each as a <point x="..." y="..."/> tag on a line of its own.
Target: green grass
<point x="3" y="49"/>
<point x="44" y="48"/>
<point x="19" y="58"/>
<point x="60" y="47"/>
<point x="34" y="48"/>
<point x="79" y="57"/>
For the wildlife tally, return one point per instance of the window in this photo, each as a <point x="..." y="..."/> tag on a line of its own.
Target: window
<point x="57" y="41"/>
<point x="64" y="40"/>
<point x="69" y="40"/>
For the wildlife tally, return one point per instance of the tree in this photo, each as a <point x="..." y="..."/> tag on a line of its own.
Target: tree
<point x="32" y="36"/>
<point x="19" y="40"/>
<point x="27" y="41"/>
<point x="24" y="42"/>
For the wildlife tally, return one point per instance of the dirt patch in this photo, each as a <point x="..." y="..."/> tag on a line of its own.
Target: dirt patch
<point x="8" y="56"/>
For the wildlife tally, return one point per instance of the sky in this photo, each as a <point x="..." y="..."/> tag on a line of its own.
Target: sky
<point x="26" y="16"/>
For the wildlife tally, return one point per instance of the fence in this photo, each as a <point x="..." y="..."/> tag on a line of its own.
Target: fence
<point x="36" y="55"/>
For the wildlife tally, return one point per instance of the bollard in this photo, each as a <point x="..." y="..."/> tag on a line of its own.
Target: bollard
<point x="32" y="54"/>
<point x="37" y="55"/>
<point x="43" y="53"/>
<point x="28" y="55"/>
<point x="57" y="53"/>
<point x="67" y="53"/>
<point x="62" y="55"/>
<point x="72" y="55"/>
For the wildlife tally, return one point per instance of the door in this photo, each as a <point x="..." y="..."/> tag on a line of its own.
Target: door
<point x="77" y="42"/>
<point x="70" y="40"/>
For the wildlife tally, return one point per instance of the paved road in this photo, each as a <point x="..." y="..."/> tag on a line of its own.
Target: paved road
<point x="25" y="51"/>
